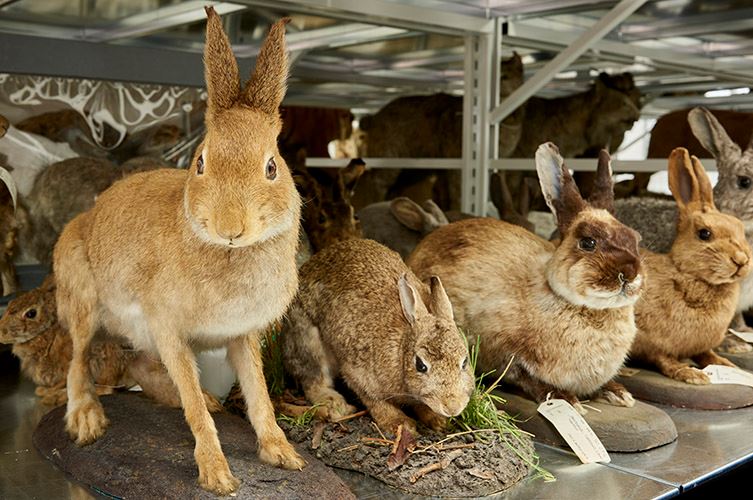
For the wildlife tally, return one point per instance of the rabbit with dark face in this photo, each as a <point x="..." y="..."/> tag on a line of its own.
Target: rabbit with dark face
<point x="562" y="313"/>
<point x="692" y="292"/>
<point x="177" y="260"/>
<point x="362" y="314"/>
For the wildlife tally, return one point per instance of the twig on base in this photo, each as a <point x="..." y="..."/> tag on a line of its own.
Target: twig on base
<point x="441" y="465"/>
<point x="350" y="417"/>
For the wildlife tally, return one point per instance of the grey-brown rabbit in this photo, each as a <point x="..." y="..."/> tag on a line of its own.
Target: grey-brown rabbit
<point x="362" y="314"/>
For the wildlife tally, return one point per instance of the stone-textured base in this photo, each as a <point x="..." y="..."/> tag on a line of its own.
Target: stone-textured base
<point x="655" y="387"/>
<point x="147" y="452"/>
<point x="639" y="428"/>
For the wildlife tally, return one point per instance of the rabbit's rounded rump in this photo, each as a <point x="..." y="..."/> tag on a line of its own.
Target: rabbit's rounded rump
<point x="362" y="314"/>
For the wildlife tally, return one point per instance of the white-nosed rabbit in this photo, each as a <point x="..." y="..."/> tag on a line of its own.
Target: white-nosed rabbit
<point x="691" y="293"/>
<point x="565" y="312"/>
<point x="362" y="314"/>
<point x="177" y="260"/>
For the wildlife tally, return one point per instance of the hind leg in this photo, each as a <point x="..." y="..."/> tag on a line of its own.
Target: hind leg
<point x="307" y="361"/>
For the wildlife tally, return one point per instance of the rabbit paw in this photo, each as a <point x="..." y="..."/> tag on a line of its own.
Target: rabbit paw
<point x="86" y="422"/>
<point x="215" y="476"/>
<point x="734" y="345"/>
<point x="213" y="405"/>
<point x="432" y="420"/>
<point x="280" y="453"/>
<point x="616" y="396"/>
<point x="337" y="407"/>
<point x="691" y="375"/>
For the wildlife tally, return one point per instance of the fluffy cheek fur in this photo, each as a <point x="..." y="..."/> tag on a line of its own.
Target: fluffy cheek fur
<point x="585" y="284"/>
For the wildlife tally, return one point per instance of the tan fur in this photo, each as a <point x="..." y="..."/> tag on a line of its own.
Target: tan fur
<point x="565" y="314"/>
<point x="4" y="124"/>
<point x="347" y="320"/>
<point x="691" y="293"/>
<point x="176" y="260"/>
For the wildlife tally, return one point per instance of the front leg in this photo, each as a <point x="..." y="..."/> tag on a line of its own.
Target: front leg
<point x="711" y="358"/>
<point x="430" y="418"/>
<point x="180" y="361"/>
<point x="677" y="370"/>
<point x="388" y="416"/>
<point x="244" y="354"/>
<point x="615" y="394"/>
<point x="540" y="391"/>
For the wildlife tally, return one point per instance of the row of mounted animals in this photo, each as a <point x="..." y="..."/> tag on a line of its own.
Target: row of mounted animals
<point x="174" y="260"/>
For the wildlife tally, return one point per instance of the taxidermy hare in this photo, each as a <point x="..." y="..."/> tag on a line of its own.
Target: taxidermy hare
<point x="400" y="224"/>
<point x="182" y="259"/>
<point x="564" y="313"/>
<point x="362" y="314"/>
<point x="692" y="293"/>
<point x="656" y="219"/>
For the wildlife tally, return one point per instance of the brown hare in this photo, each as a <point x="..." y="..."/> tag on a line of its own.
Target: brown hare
<point x="182" y="259"/>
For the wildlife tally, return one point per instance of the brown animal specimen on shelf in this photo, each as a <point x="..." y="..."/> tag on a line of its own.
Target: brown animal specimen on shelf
<point x="314" y="128"/>
<point x="177" y="260"/>
<point x="503" y="200"/>
<point x="693" y="291"/>
<point x="563" y="313"/>
<point x="68" y="126"/>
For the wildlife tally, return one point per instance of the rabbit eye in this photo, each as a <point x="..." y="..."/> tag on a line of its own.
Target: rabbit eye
<point x="31" y="314"/>
<point x="704" y="234"/>
<point x="322" y="219"/>
<point x="420" y="366"/>
<point x="200" y="165"/>
<point x="271" y="171"/>
<point x="744" y="182"/>
<point x="587" y="244"/>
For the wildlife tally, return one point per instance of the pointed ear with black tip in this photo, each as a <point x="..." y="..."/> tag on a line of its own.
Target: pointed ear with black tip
<point x="440" y="304"/>
<point x="220" y="66"/>
<point x="410" y="301"/>
<point x="602" y="194"/>
<point x="682" y="180"/>
<point x="710" y="133"/>
<point x="559" y="189"/>
<point x="266" y="88"/>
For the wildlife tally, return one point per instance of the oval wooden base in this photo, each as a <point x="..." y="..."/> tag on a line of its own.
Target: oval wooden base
<point x="655" y="387"/>
<point x="639" y="428"/>
<point x="147" y="452"/>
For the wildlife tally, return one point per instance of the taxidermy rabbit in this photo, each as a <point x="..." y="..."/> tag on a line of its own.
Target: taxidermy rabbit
<point x="692" y="292"/>
<point x="198" y="258"/>
<point x="563" y="313"/>
<point x="400" y="224"/>
<point x="362" y="314"/>
<point x="656" y="219"/>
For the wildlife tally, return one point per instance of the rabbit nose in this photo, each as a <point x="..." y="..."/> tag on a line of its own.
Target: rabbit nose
<point x="629" y="271"/>
<point x="740" y="258"/>
<point x="230" y="231"/>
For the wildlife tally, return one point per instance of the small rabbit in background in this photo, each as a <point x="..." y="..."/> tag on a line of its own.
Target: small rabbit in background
<point x="692" y="292"/>
<point x="362" y="314"/>
<point x="563" y="313"/>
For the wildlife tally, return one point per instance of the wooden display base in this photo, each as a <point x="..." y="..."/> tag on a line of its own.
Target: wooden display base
<point x="147" y="452"/>
<point x="655" y="387"/>
<point x="639" y="428"/>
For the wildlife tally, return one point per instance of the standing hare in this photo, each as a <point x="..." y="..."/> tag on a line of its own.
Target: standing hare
<point x="692" y="292"/>
<point x="199" y="258"/>
<point x="361" y="313"/>
<point x="563" y="314"/>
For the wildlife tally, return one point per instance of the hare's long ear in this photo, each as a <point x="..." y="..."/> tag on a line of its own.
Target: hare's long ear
<point x="710" y="133"/>
<point x="440" y="304"/>
<point x="501" y="196"/>
<point x="410" y="301"/>
<point x="220" y="66"/>
<point x="682" y="180"/>
<point x="266" y="88"/>
<point x="705" y="191"/>
<point x="559" y="189"/>
<point x="602" y="194"/>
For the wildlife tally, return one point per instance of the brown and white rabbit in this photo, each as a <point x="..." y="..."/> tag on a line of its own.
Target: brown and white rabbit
<point x="563" y="313"/>
<point x="691" y="293"/>
<point x="177" y="260"/>
<point x="362" y="314"/>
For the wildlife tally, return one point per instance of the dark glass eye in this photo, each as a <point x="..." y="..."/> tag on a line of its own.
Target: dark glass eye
<point x="322" y="219"/>
<point x="200" y="165"/>
<point x="31" y="313"/>
<point x="744" y="182"/>
<point x="587" y="244"/>
<point x="271" y="170"/>
<point x="464" y="364"/>
<point x="704" y="234"/>
<point x="420" y="366"/>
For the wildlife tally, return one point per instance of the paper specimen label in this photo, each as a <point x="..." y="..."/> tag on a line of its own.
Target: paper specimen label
<point x="575" y="430"/>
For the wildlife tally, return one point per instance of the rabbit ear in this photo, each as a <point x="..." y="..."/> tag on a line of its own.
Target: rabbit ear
<point x="410" y="301"/>
<point x="436" y="212"/>
<point x="602" y="194"/>
<point x="501" y="196"/>
<point x="710" y="133"/>
<point x="524" y="205"/>
<point x="220" y="66"/>
<point x="559" y="189"/>
<point x="348" y="176"/>
<point x="705" y="191"/>
<point x="682" y="179"/>
<point x="440" y="303"/>
<point x="266" y="88"/>
<point x="408" y="213"/>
